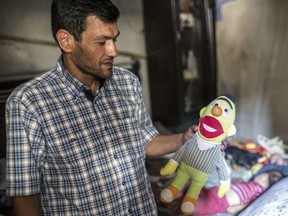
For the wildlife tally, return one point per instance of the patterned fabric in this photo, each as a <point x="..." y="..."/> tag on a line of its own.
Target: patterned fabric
<point x="202" y="160"/>
<point x="209" y="203"/>
<point x="84" y="157"/>
<point x="247" y="191"/>
<point x="273" y="202"/>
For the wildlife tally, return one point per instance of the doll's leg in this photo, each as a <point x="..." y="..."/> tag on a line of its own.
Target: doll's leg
<point x="196" y="186"/>
<point x="168" y="194"/>
<point x="190" y="200"/>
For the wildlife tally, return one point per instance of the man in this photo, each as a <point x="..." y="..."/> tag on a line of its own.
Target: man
<point x="78" y="135"/>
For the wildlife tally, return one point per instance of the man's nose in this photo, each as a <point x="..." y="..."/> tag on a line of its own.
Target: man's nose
<point x="111" y="49"/>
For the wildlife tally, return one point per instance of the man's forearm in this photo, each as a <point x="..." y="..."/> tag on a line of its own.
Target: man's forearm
<point x="26" y="205"/>
<point x="164" y="144"/>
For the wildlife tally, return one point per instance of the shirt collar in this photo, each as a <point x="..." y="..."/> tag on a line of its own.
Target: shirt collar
<point x="204" y="144"/>
<point x="77" y="88"/>
<point x="67" y="78"/>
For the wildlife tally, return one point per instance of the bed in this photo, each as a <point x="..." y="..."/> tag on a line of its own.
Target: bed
<point x="273" y="202"/>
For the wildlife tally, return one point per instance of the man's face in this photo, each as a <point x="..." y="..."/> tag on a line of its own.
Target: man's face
<point x="95" y="53"/>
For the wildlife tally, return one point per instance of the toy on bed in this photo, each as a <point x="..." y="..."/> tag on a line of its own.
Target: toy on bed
<point x="202" y="154"/>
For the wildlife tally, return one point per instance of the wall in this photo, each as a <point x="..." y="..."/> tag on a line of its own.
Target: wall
<point x="37" y="52"/>
<point x="252" y="59"/>
<point x="251" y="47"/>
<point x="29" y="20"/>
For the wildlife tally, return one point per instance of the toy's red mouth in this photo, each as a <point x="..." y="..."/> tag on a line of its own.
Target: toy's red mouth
<point x="210" y="127"/>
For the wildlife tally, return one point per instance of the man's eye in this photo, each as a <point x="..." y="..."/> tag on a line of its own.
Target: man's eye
<point x="101" y="43"/>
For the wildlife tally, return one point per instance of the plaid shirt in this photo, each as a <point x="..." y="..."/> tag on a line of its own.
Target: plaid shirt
<point x="84" y="157"/>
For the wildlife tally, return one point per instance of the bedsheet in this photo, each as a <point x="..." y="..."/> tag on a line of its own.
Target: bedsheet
<point x="273" y="202"/>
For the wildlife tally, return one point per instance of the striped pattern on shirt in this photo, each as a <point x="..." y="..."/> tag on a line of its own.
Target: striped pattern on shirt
<point x="203" y="160"/>
<point x="247" y="191"/>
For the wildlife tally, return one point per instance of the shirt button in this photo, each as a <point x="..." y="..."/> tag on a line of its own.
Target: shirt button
<point x="130" y="211"/>
<point x="106" y="128"/>
<point x="115" y="156"/>
<point x="123" y="183"/>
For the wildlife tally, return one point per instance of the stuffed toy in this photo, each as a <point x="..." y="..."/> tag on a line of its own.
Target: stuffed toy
<point x="202" y="154"/>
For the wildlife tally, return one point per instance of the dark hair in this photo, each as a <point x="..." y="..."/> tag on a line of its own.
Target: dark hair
<point x="71" y="15"/>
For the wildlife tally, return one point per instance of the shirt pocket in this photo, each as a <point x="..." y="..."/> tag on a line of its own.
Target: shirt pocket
<point x="127" y="128"/>
<point x="69" y="150"/>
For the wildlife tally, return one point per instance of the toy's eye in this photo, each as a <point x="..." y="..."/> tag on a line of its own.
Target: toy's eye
<point x="215" y="103"/>
<point x="226" y="111"/>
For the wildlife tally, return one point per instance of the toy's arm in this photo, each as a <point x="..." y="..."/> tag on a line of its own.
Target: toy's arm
<point x="169" y="168"/>
<point x="179" y="153"/>
<point x="223" y="188"/>
<point x="224" y="177"/>
<point x="173" y="163"/>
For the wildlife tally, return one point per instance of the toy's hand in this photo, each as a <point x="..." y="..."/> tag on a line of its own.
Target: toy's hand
<point x="223" y="188"/>
<point x="169" y="168"/>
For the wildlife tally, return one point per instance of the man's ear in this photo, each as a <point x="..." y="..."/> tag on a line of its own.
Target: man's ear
<point x="65" y="40"/>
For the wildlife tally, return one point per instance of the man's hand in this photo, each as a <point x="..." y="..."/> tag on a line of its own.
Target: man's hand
<point x="223" y="188"/>
<point x="27" y="205"/>
<point x="169" y="168"/>
<point x="189" y="133"/>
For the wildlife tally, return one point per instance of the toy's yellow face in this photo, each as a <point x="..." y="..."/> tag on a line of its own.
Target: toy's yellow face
<point x="217" y="120"/>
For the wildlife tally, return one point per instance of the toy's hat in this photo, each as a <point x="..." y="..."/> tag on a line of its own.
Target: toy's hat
<point x="229" y="96"/>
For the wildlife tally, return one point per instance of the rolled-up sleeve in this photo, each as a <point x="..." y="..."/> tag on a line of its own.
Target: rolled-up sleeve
<point x="147" y="129"/>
